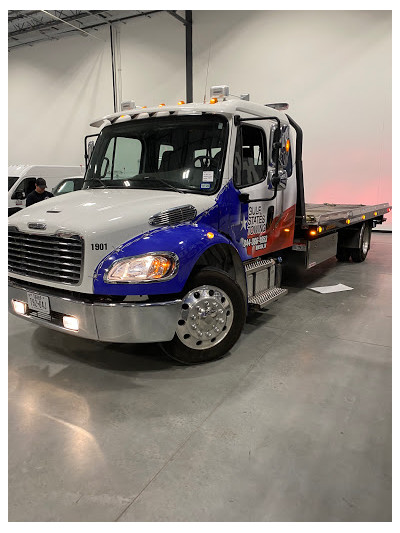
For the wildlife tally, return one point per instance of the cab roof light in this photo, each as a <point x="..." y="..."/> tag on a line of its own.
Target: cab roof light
<point x="218" y="91"/>
<point x="127" y="105"/>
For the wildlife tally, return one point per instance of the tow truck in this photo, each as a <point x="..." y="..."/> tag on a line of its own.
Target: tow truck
<point x="186" y="215"/>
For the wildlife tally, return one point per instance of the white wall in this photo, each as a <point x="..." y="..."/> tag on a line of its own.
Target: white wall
<point x="333" y="67"/>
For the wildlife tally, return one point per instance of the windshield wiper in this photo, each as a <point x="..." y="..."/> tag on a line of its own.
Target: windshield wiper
<point x="164" y="182"/>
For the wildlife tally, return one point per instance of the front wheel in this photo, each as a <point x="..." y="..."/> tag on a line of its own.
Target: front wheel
<point x="212" y="316"/>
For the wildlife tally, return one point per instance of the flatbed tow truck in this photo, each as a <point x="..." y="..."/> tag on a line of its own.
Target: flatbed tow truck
<point x="186" y="216"/>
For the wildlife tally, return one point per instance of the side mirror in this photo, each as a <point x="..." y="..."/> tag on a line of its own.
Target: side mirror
<point x="282" y="175"/>
<point x="90" y="149"/>
<point x="19" y="195"/>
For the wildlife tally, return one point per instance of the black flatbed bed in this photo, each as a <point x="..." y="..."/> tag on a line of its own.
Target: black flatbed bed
<point x="329" y="217"/>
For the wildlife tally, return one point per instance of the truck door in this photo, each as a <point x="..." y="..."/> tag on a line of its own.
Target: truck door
<point x="264" y="225"/>
<point x="18" y="197"/>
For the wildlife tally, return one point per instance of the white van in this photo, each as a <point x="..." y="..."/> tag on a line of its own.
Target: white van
<point x="21" y="181"/>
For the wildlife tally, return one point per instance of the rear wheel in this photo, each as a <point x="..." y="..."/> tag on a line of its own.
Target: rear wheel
<point x="211" y="319"/>
<point x="360" y="253"/>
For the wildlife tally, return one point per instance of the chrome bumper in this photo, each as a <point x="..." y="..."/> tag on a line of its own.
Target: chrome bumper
<point x="108" y="322"/>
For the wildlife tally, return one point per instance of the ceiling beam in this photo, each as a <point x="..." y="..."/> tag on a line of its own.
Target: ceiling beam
<point x="48" y="25"/>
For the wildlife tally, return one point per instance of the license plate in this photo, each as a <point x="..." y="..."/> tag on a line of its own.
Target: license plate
<point x="36" y="302"/>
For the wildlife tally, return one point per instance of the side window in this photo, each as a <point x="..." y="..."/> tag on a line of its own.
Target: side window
<point x="26" y="186"/>
<point x="122" y="158"/>
<point x="126" y="162"/>
<point x="250" y="164"/>
<point x="67" y="186"/>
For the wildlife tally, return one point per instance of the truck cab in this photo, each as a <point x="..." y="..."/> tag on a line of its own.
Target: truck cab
<point x="180" y="227"/>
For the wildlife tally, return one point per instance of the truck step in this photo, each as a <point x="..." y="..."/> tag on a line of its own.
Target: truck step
<point x="262" y="299"/>
<point x="255" y="265"/>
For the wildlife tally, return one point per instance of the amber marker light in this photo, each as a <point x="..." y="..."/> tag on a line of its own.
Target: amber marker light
<point x="348" y="221"/>
<point x="161" y="105"/>
<point x="287" y="230"/>
<point x="214" y="101"/>
<point x="210" y="235"/>
<point x="320" y="229"/>
<point x="287" y="145"/>
<point x="313" y="232"/>
<point x="144" y="106"/>
<point x="363" y="217"/>
<point x="181" y="102"/>
<point x="375" y="213"/>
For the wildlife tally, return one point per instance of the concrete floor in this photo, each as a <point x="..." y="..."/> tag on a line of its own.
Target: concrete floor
<point x="295" y="425"/>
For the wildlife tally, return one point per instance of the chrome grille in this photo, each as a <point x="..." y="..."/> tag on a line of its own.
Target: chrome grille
<point x="50" y="257"/>
<point x="174" y="216"/>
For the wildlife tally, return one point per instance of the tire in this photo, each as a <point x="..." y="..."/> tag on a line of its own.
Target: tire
<point x="211" y="320"/>
<point x="359" y="254"/>
<point x="343" y="254"/>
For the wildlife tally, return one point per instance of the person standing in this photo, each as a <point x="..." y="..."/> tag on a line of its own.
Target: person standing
<point x="39" y="193"/>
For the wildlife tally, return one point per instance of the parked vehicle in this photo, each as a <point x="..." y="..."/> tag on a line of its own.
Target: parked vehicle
<point x="185" y="217"/>
<point x="21" y="181"/>
<point x="71" y="184"/>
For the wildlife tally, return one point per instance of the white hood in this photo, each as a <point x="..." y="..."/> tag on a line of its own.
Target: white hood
<point x="109" y="216"/>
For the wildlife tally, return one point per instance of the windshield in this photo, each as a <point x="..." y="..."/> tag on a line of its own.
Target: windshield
<point x="184" y="153"/>
<point x="11" y="181"/>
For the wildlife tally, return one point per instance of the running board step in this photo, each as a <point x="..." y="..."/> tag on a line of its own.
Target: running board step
<point x="262" y="299"/>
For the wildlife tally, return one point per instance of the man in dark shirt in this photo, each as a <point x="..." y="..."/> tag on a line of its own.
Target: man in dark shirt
<point x="39" y="193"/>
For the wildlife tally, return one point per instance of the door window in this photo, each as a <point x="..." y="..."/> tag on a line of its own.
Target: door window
<point x="26" y="186"/>
<point x="250" y="162"/>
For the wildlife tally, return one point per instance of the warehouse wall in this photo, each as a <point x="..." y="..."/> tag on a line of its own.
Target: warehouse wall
<point x="333" y="67"/>
<point x="57" y="88"/>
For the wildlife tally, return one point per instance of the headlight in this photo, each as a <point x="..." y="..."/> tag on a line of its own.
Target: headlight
<point x="158" y="266"/>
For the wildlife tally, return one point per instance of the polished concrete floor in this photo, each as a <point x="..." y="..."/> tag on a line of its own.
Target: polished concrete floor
<point x="294" y="425"/>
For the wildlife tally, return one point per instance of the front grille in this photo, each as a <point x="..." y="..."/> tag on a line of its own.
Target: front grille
<point x="174" y="216"/>
<point x="50" y="257"/>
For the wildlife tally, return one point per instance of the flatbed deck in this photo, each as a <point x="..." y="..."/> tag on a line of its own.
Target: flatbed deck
<point x="334" y="216"/>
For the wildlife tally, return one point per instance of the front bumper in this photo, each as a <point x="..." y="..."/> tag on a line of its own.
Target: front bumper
<point x="108" y="322"/>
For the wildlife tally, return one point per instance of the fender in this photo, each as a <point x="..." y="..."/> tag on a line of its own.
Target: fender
<point x="187" y="241"/>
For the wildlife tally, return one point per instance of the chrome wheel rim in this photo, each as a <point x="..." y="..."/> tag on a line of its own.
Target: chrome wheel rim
<point x="206" y="317"/>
